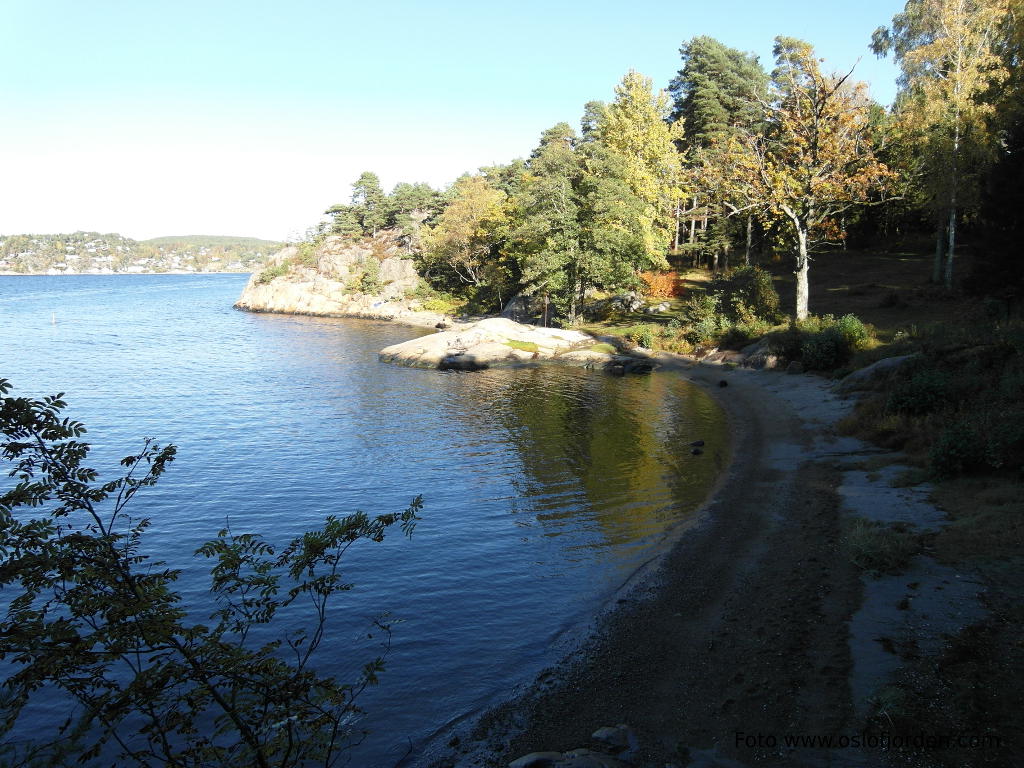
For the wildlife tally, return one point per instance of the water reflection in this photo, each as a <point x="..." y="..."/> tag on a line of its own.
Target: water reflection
<point x="607" y="455"/>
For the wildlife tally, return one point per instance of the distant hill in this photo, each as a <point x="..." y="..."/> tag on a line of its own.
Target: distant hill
<point x="212" y="241"/>
<point x="95" y="253"/>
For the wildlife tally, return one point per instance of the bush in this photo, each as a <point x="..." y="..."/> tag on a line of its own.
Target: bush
<point x="444" y="303"/>
<point x="926" y="390"/>
<point x="369" y="282"/>
<point x="270" y="273"/>
<point x="747" y="294"/>
<point x="955" y="451"/>
<point x="662" y="285"/>
<point x="822" y="343"/>
<point x="306" y="255"/>
<point x="703" y="316"/>
<point x="643" y="335"/>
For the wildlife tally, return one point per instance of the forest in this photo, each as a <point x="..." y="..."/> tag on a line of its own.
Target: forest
<point x="732" y="164"/>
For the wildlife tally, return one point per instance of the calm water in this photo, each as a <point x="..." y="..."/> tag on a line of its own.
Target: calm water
<point x="544" y="488"/>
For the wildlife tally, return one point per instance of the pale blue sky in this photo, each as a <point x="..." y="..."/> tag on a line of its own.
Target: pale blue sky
<point x="159" y="117"/>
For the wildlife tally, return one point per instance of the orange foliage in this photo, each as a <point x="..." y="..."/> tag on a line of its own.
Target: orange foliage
<point x="663" y="285"/>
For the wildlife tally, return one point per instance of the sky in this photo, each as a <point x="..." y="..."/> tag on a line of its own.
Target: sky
<point x="216" y="117"/>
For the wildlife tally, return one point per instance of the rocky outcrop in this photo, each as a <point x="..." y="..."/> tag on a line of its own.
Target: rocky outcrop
<point x="498" y="341"/>
<point x="874" y="375"/>
<point x="371" y="279"/>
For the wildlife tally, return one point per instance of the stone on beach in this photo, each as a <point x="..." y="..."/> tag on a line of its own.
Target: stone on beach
<point x="489" y="342"/>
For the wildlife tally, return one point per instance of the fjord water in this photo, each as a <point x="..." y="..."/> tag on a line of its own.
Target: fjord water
<point x="544" y="488"/>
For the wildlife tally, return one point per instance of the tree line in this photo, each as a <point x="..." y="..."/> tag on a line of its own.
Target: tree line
<point x="730" y="156"/>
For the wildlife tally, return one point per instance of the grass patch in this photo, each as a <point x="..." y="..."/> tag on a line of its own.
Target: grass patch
<point x="525" y="346"/>
<point x="603" y="347"/>
<point x="444" y="304"/>
<point x="878" y="548"/>
<point x="986" y="519"/>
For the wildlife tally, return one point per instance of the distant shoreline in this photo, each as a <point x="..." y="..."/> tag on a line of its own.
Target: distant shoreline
<point x="113" y="274"/>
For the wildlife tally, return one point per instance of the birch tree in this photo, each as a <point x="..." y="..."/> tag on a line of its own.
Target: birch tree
<point x="948" y="51"/>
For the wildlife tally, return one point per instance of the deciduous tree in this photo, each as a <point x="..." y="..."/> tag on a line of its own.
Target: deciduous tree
<point x="813" y="162"/>
<point x="90" y="616"/>
<point x="949" y="54"/>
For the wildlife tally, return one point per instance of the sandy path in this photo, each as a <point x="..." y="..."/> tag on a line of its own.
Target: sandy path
<point x="741" y="636"/>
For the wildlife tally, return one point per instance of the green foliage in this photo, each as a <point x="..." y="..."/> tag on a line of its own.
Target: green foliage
<point x="747" y="293"/>
<point x="644" y="335"/>
<point x="718" y="89"/>
<point x="306" y="255"/>
<point x="879" y="548"/>
<point x="369" y="282"/>
<point x="822" y="343"/>
<point x="703" y="316"/>
<point x="925" y="390"/>
<point x="268" y="274"/>
<point x="960" y="404"/>
<point x="91" y="616"/>
<point x="444" y="303"/>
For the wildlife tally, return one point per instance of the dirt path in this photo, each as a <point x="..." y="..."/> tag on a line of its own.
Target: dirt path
<point x="740" y="638"/>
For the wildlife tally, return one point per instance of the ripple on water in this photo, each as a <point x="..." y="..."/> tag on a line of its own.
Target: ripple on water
<point x="543" y="487"/>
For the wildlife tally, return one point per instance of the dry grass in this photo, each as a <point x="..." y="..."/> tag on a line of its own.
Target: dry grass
<point x="986" y="520"/>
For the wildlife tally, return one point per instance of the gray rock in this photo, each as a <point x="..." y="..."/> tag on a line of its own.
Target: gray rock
<point x="536" y="760"/>
<point x="759" y="356"/>
<point x="588" y="758"/>
<point x="493" y="341"/>
<point x="795" y="367"/>
<point x="872" y="375"/>
<point x="723" y="356"/>
<point x="637" y="366"/>
<point x="621" y="738"/>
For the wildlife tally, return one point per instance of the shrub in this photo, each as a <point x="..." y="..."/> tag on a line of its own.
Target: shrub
<point x="370" y="280"/>
<point x="642" y="335"/>
<point x="270" y="273"/>
<point x="663" y="285"/>
<point x="306" y="255"/>
<point x="822" y="343"/>
<point x="824" y="351"/>
<point x="924" y="391"/>
<point x="748" y="293"/>
<point x="955" y="450"/>
<point x="703" y="315"/>
<point x="444" y="303"/>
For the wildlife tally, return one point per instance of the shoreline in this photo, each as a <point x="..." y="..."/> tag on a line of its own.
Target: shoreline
<point x="740" y="626"/>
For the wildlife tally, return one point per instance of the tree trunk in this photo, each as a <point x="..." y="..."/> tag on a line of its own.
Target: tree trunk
<point x="940" y="251"/>
<point x="947" y="278"/>
<point x="750" y="238"/>
<point x="679" y="204"/>
<point x="954" y="181"/>
<point x="803" y="266"/>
